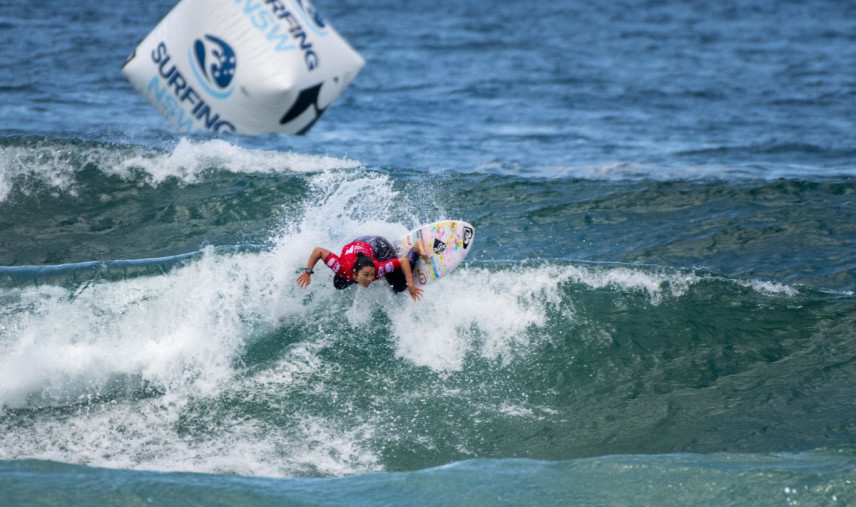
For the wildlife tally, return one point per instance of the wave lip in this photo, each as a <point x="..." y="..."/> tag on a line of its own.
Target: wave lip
<point x="57" y="163"/>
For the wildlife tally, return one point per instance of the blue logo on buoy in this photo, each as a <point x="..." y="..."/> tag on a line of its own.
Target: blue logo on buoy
<point x="214" y="63"/>
<point x="313" y="15"/>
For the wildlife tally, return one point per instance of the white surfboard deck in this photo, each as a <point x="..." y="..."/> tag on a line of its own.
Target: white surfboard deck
<point x="448" y="242"/>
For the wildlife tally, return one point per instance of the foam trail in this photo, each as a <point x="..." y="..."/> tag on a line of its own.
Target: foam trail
<point x="180" y="334"/>
<point x="175" y="339"/>
<point x="442" y="329"/>
<point x="169" y="329"/>
<point x="186" y="324"/>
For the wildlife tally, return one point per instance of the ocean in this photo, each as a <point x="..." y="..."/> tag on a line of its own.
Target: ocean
<point x="658" y="307"/>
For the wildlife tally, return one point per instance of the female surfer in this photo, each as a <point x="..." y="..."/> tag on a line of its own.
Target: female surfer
<point x="365" y="260"/>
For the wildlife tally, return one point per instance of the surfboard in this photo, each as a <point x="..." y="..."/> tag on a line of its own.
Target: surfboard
<point x="447" y="242"/>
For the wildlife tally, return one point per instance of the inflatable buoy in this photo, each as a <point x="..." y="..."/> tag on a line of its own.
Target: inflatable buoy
<point x="245" y="66"/>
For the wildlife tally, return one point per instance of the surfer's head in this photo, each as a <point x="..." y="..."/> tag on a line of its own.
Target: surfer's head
<point x="364" y="270"/>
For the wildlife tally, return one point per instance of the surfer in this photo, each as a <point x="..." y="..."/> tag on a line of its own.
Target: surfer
<point x="365" y="260"/>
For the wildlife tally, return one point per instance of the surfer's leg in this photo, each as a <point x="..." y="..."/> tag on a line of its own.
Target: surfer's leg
<point x="413" y="256"/>
<point x="419" y="247"/>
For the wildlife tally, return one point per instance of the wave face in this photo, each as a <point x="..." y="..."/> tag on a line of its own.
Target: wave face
<point x="213" y="360"/>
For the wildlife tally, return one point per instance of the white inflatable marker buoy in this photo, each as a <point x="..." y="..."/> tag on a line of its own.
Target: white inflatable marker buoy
<point x="246" y="66"/>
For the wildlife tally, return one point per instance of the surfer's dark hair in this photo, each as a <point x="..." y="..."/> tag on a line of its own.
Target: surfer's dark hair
<point x="362" y="261"/>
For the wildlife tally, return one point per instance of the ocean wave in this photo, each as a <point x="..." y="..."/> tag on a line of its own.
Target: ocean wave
<point x="214" y="360"/>
<point x="188" y="160"/>
<point x="51" y="166"/>
<point x="57" y="163"/>
<point x="225" y="366"/>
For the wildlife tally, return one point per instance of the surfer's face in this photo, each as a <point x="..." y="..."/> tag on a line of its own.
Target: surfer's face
<point x="365" y="276"/>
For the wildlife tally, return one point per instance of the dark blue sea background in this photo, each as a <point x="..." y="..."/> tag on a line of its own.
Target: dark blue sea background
<point x="658" y="308"/>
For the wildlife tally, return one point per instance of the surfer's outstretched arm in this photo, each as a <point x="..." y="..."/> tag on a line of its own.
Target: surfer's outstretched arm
<point x="414" y="291"/>
<point x="317" y="254"/>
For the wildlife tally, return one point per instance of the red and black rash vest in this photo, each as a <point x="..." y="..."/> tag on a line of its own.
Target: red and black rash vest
<point x="343" y="264"/>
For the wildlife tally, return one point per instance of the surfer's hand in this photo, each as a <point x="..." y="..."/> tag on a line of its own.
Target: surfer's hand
<point x="304" y="279"/>
<point x="415" y="292"/>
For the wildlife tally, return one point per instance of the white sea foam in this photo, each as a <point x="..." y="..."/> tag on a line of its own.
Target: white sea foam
<point x="769" y="288"/>
<point x="168" y="329"/>
<point x="180" y="335"/>
<point x="55" y="167"/>
<point x="489" y="312"/>
<point x="188" y="160"/>
<point x="473" y="309"/>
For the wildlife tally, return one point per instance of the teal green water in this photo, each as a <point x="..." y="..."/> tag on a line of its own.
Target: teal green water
<point x="724" y="479"/>
<point x="215" y="361"/>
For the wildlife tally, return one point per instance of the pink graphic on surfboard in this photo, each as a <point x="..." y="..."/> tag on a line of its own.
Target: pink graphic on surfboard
<point x="447" y="242"/>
